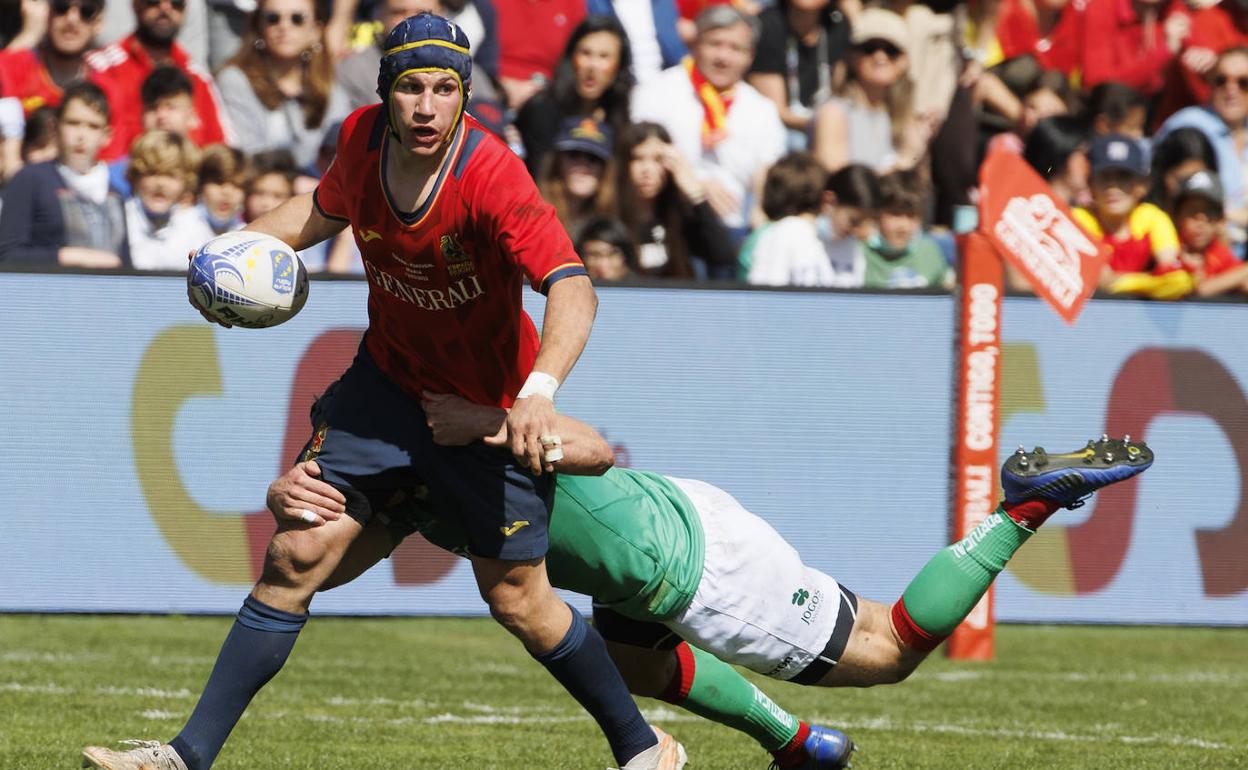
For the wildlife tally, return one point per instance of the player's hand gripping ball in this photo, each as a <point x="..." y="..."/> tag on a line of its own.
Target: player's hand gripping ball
<point x="247" y="279"/>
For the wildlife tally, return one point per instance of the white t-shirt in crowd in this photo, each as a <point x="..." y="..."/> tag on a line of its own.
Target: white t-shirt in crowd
<point x="637" y="18"/>
<point x="755" y="136"/>
<point x="790" y="253"/>
<point x="164" y="248"/>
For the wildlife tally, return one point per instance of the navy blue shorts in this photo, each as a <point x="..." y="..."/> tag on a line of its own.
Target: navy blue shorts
<point x="370" y="440"/>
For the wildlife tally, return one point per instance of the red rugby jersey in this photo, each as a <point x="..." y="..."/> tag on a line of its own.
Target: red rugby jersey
<point x="444" y="305"/>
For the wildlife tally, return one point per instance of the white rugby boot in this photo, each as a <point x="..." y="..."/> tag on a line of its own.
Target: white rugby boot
<point x="667" y="754"/>
<point x="147" y="755"/>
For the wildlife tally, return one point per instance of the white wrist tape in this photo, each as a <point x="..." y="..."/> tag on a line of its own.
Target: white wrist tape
<point x="539" y="384"/>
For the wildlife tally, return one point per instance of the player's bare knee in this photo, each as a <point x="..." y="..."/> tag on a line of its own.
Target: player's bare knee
<point x="293" y="556"/>
<point x="512" y="605"/>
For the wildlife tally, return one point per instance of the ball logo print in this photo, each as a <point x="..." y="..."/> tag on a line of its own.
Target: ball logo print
<point x="248" y="279"/>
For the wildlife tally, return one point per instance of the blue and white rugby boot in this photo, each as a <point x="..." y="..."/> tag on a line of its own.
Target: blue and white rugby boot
<point x="1067" y="480"/>
<point x="825" y="749"/>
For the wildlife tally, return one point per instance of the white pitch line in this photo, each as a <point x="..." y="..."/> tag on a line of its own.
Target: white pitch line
<point x="1044" y="735"/>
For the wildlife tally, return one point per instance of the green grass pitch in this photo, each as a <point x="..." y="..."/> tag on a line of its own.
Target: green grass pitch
<point x="459" y="693"/>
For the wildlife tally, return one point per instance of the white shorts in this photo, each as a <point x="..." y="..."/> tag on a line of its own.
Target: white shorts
<point x="758" y="605"/>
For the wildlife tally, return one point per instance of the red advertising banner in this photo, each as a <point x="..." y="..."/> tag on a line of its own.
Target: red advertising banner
<point x="1033" y="229"/>
<point x="975" y="444"/>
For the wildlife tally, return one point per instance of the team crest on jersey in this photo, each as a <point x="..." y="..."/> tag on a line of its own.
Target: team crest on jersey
<point x="457" y="260"/>
<point x="314" y="446"/>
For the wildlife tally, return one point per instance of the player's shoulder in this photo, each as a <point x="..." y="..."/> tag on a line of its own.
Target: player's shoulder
<point x="363" y="131"/>
<point x="1146" y="217"/>
<point x="484" y="163"/>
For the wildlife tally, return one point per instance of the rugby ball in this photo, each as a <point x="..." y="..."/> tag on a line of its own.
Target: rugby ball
<point x="248" y="279"/>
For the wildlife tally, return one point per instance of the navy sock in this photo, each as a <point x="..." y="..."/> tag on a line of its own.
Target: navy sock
<point x="581" y="664"/>
<point x="255" y="650"/>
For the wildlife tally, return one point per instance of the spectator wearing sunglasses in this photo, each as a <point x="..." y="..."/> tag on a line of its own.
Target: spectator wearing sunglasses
<point x="279" y="88"/>
<point x="123" y="67"/>
<point x="1224" y="122"/>
<point x="872" y="120"/>
<point x="39" y="75"/>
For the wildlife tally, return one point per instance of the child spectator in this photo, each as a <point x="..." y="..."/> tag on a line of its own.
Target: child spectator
<point x="1141" y="236"/>
<point x="1116" y="108"/>
<point x="663" y="203"/>
<point x="222" y="176"/>
<point x="64" y="211"/>
<point x="161" y="229"/>
<point x="39" y="141"/>
<point x="789" y="252"/>
<point x="606" y="249"/>
<point x="572" y="177"/>
<point x="850" y="208"/>
<point x="272" y="183"/>
<point x="1199" y="216"/>
<point x="900" y="256"/>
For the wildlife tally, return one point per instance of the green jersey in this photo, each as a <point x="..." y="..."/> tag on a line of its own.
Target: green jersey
<point x="630" y="539"/>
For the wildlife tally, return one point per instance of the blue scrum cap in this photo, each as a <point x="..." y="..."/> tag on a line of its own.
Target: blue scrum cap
<point x="424" y="43"/>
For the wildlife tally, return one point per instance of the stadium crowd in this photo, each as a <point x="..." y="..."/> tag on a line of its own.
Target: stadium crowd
<point x="819" y="143"/>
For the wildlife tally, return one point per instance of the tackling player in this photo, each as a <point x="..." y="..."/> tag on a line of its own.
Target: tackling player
<point x="686" y="581"/>
<point x="449" y="225"/>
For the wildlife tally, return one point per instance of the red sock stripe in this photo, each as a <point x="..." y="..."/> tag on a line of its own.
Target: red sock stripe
<point x="682" y="678"/>
<point x="793" y="753"/>
<point x="909" y="631"/>
<point x="1030" y="513"/>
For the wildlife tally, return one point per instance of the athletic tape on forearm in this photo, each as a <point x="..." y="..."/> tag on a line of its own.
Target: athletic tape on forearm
<point x="539" y="384"/>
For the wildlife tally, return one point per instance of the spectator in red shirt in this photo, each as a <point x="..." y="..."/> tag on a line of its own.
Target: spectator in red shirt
<point x="1215" y="28"/>
<point x="121" y="68"/>
<point x="1199" y="217"/>
<point x="531" y="37"/>
<point x="1126" y="41"/>
<point x="38" y="76"/>
<point x="1049" y="30"/>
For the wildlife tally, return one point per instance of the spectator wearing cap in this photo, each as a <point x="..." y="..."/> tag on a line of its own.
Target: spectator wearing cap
<point x="729" y="132"/>
<point x="573" y="177"/>
<point x="1224" y="122"/>
<point x="802" y="41"/>
<point x="123" y="68"/>
<point x="279" y="88"/>
<point x="39" y="75"/>
<point x="592" y="80"/>
<point x="1140" y="235"/>
<point x="872" y="120"/>
<point x="663" y="203"/>
<point x="1198" y="216"/>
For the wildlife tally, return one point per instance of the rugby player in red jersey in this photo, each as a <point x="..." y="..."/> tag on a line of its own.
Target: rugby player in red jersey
<point x="449" y="225"/>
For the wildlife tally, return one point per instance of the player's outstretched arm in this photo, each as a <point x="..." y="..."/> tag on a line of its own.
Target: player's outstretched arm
<point x="570" y="308"/>
<point x="298" y="223"/>
<point x="456" y="421"/>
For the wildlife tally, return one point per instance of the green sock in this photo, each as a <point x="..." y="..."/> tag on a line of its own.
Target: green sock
<point x="948" y="587"/>
<point x="713" y="689"/>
